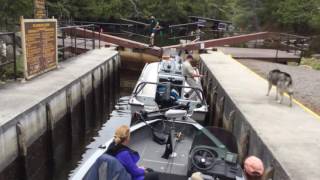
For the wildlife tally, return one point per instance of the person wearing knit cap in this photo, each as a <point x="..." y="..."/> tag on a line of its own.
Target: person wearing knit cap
<point x="253" y="168"/>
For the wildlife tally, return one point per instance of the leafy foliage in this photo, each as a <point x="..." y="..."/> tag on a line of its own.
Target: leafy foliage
<point x="301" y="16"/>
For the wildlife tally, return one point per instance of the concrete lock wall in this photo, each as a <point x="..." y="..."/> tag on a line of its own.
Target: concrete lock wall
<point x="224" y="113"/>
<point x="43" y="137"/>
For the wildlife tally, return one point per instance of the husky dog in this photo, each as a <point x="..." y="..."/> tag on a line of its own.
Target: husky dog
<point x="283" y="83"/>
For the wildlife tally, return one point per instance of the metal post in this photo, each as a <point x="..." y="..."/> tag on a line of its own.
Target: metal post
<point x="100" y="29"/>
<point x="14" y="57"/>
<point x="136" y="28"/>
<point x="277" y="55"/>
<point x="85" y="38"/>
<point x="187" y="31"/>
<point x="277" y="52"/>
<point x="71" y="38"/>
<point x="174" y="34"/>
<point x="288" y="43"/>
<point x="63" y="45"/>
<point x="301" y="55"/>
<point x="75" y="41"/>
<point x="93" y="40"/>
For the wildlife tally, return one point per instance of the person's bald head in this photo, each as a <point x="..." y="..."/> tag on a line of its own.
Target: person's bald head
<point x="253" y="168"/>
<point x="196" y="176"/>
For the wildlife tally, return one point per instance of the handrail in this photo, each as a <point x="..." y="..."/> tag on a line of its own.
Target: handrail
<point x="135" y="22"/>
<point x="294" y="36"/>
<point x="77" y="26"/>
<point x="178" y="37"/>
<point x="79" y="39"/>
<point x="128" y="32"/>
<point x="103" y="23"/>
<point x="210" y="19"/>
<point x="6" y="33"/>
<point x="185" y="24"/>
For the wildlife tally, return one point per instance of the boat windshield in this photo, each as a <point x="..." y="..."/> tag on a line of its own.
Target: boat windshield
<point x="142" y="85"/>
<point x="216" y="137"/>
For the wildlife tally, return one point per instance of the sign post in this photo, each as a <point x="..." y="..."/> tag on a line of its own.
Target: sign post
<point x="39" y="44"/>
<point x="40" y="9"/>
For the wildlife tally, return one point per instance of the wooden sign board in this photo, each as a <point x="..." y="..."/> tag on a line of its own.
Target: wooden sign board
<point x="39" y="43"/>
<point x="40" y="9"/>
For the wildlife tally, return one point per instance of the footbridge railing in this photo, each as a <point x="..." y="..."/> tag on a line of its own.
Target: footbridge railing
<point x="281" y="41"/>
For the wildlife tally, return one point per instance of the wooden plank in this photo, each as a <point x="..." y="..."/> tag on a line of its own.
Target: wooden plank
<point x="222" y="41"/>
<point x="80" y="32"/>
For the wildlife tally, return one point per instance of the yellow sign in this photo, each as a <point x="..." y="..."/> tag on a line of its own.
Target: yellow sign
<point x="39" y="42"/>
<point x="40" y="9"/>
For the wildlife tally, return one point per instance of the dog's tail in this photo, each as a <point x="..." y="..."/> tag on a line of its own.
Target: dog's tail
<point x="288" y="78"/>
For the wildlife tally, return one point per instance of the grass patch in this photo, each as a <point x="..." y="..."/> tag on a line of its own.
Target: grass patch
<point x="312" y="62"/>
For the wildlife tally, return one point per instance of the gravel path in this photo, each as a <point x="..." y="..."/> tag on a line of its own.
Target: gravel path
<point x="306" y="81"/>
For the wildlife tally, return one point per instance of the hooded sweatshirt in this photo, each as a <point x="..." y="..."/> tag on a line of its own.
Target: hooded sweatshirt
<point x="128" y="158"/>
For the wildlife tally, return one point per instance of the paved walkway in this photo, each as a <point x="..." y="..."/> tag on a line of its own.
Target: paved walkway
<point x="263" y="54"/>
<point x="16" y="98"/>
<point x="306" y="81"/>
<point x="291" y="134"/>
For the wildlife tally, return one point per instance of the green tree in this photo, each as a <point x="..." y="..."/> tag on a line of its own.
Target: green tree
<point x="302" y="16"/>
<point x="11" y="10"/>
<point x="61" y="9"/>
<point x="298" y="14"/>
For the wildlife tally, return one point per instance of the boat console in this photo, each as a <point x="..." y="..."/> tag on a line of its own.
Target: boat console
<point x="213" y="161"/>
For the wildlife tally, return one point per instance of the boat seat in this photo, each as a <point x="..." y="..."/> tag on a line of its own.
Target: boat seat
<point x="166" y="96"/>
<point x="175" y="113"/>
<point x="107" y="167"/>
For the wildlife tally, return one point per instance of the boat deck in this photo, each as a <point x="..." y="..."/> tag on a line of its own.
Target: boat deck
<point x="151" y="152"/>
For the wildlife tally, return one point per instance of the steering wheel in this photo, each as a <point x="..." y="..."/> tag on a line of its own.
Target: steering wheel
<point x="203" y="158"/>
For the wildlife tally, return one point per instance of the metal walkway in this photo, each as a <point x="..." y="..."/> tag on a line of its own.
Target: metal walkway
<point x="126" y="43"/>
<point x="157" y="51"/>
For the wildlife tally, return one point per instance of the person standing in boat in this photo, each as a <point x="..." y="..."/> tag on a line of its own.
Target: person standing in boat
<point x="190" y="74"/>
<point x="128" y="157"/>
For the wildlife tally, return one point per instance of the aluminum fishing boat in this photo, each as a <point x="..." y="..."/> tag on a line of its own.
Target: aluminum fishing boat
<point x="162" y="85"/>
<point x="166" y="131"/>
